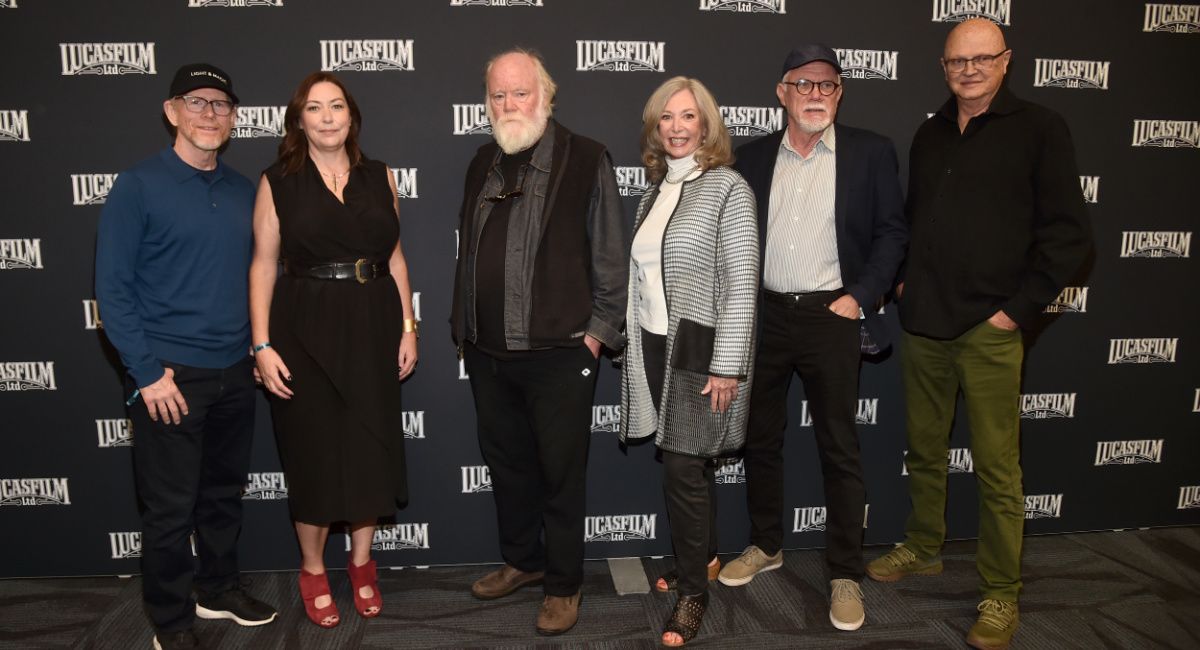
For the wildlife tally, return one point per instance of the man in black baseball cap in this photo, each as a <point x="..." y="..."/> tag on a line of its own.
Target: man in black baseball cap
<point x="172" y="260"/>
<point x="833" y="234"/>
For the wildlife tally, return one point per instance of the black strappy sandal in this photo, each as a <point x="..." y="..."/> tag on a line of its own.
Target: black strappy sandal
<point x="687" y="617"/>
<point x="672" y="577"/>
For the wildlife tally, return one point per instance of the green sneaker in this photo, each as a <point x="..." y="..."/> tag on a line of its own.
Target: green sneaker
<point x="900" y="562"/>
<point x="995" y="627"/>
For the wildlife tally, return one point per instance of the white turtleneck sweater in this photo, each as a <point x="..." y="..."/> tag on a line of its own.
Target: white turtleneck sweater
<point x="647" y="246"/>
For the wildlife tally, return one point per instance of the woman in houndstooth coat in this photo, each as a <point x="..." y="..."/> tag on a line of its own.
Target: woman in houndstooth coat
<point x="693" y="283"/>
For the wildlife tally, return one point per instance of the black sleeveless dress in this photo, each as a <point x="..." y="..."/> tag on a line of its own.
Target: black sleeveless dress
<point x="341" y="436"/>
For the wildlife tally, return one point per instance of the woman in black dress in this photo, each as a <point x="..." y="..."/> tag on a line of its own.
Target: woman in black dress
<point x="334" y="335"/>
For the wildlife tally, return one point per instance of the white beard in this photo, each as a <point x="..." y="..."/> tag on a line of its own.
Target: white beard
<point x="814" y="123"/>
<point x="516" y="133"/>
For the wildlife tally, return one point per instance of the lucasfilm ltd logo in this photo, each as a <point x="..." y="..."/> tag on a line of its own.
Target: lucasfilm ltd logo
<point x="476" y="478"/>
<point x="1090" y="185"/>
<point x="34" y="492"/>
<point x="20" y="254"/>
<point x="606" y="418"/>
<point x="1168" y="134"/>
<point x="265" y="486"/>
<point x="1196" y="402"/>
<point x="1040" y="406"/>
<point x="125" y="545"/>
<point x="107" y="58"/>
<point x="259" y="122"/>
<point x="471" y="119"/>
<point x="14" y="125"/>
<point x="416" y="303"/>
<point x="114" y="432"/>
<point x="27" y="375"/>
<point x="235" y="3"/>
<point x="1070" y="73"/>
<point x="752" y="121"/>
<point x="1150" y="243"/>
<point x="868" y="412"/>
<point x="495" y="3"/>
<point x="91" y="189"/>
<point x="1043" y="506"/>
<point x="366" y="55"/>
<point x="745" y="6"/>
<point x="8" y="4"/>
<point x="958" y="461"/>
<point x="868" y="64"/>
<point x="1189" y="497"/>
<point x="631" y="181"/>
<point x="620" y="56"/>
<point x="398" y="537"/>
<point x="413" y="423"/>
<point x="619" y="528"/>
<point x="1178" y="19"/>
<point x="406" y="182"/>
<point x="807" y="520"/>
<point x="1128" y="452"/>
<point x="730" y="473"/>
<point x="1071" y="300"/>
<point x="91" y="315"/>
<point x="956" y="11"/>
<point x="1157" y="350"/>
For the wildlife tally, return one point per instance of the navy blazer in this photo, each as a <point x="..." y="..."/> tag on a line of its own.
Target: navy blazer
<point x="868" y="212"/>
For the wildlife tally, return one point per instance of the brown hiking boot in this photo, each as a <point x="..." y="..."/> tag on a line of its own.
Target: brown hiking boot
<point x="995" y="627"/>
<point x="900" y="562"/>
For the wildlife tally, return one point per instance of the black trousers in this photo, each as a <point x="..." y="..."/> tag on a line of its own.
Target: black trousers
<point x="823" y="348"/>
<point x="534" y="420"/>
<point x="688" y="486"/>
<point x="189" y="477"/>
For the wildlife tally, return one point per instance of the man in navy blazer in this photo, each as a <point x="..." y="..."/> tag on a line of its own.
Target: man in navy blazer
<point x="831" y="220"/>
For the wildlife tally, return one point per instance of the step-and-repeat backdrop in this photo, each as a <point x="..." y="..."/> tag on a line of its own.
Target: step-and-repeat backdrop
<point x="1111" y="400"/>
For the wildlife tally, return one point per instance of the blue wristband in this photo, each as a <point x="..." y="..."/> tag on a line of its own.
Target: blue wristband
<point x="262" y="346"/>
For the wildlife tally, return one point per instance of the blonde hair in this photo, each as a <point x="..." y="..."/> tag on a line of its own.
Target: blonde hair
<point x="715" y="148"/>
<point x="548" y="87"/>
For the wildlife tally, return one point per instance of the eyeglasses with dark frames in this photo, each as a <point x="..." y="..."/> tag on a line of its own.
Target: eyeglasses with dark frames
<point x="981" y="62"/>
<point x="804" y="86"/>
<point x="511" y="194"/>
<point x="195" y="104"/>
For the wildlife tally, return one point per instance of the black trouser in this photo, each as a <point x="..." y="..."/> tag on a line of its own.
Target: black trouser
<point x="534" y="417"/>
<point x="190" y="477"/>
<point x="689" y="488"/>
<point x="805" y="337"/>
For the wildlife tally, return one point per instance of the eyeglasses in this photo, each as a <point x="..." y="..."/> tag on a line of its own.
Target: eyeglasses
<point x="982" y="62"/>
<point x="196" y="104"/>
<point x="511" y="194"/>
<point x="804" y="86"/>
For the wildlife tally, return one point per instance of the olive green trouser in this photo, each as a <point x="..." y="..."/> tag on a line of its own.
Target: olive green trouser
<point x="985" y="362"/>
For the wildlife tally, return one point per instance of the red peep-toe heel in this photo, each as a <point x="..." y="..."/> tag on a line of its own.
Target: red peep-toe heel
<point x="312" y="587"/>
<point x="365" y="576"/>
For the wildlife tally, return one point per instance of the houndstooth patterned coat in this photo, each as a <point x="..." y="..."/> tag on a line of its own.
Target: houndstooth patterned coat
<point x="710" y="270"/>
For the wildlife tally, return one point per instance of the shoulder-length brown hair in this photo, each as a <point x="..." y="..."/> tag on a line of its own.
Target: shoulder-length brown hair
<point x="715" y="148"/>
<point x="294" y="148"/>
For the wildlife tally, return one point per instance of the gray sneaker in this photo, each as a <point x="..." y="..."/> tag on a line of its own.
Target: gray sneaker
<point x="750" y="563"/>
<point x="900" y="562"/>
<point x="846" y="604"/>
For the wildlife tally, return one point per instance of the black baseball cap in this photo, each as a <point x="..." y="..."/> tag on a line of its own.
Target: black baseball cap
<point x="807" y="54"/>
<point x="201" y="75"/>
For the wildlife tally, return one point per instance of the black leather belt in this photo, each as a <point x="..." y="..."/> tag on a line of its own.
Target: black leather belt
<point x="802" y="297"/>
<point x="361" y="270"/>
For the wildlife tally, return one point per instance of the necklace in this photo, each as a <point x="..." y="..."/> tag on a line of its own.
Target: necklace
<point x="334" y="177"/>
<point x="676" y="178"/>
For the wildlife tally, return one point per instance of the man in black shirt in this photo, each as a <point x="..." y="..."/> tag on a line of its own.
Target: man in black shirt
<point x="998" y="228"/>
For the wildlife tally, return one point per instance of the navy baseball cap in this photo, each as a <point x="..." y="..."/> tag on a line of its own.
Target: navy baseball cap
<point x="807" y="54"/>
<point x="201" y="75"/>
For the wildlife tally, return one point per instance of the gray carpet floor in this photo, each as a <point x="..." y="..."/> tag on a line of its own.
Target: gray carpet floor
<point x="1133" y="589"/>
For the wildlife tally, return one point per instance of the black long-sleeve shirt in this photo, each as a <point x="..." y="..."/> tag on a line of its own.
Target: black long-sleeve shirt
<point x="996" y="216"/>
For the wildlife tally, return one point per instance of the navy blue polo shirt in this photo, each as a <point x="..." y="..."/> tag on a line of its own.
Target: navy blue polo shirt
<point x="172" y="264"/>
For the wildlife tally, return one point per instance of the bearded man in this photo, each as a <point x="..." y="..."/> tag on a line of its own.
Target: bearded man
<point x="539" y="289"/>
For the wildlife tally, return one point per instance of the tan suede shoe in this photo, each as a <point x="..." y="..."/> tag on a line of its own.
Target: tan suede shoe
<point x="558" y="614"/>
<point x="504" y="581"/>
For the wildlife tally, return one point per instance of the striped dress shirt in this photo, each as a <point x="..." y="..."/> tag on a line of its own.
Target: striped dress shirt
<point x="801" y="251"/>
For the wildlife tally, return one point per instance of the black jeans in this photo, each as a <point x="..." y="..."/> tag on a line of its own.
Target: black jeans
<point x="808" y="339"/>
<point x="189" y="477"/>
<point x="534" y="418"/>
<point x="688" y="486"/>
